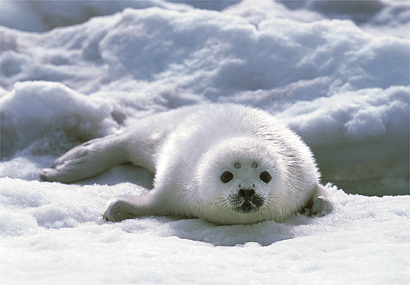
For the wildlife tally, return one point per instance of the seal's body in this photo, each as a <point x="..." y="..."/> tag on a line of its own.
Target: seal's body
<point x="224" y="163"/>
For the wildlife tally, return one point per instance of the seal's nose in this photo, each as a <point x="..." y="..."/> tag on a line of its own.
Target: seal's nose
<point x="246" y="193"/>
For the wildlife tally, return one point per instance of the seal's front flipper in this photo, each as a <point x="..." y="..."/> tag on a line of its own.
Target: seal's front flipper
<point x="137" y="206"/>
<point x="319" y="204"/>
<point x="120" y="210"/>
<point x="87" y="160"/>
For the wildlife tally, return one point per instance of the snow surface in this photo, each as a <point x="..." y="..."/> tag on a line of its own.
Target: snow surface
<point x="336" y="71"/>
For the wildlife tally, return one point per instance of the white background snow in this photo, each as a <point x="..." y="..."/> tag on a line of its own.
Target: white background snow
<point x="336" y="71"/>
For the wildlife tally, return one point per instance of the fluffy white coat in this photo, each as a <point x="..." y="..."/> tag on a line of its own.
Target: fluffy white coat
<point x="224" y="163"/>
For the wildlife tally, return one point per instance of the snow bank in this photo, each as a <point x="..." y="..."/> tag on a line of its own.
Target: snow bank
<point x="380" y="17"/>
<point x="42" y="111"/>
<point x="342" y="89"/>
<point x="40" y="16"/>
<point x="336" y="73"/>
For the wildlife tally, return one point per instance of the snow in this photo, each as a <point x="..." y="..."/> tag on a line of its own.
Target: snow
<point x="337" y="72"/>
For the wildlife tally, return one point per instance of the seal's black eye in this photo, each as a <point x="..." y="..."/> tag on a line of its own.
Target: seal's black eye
<point x="226" y="176"/>
<point x="265" y="177"/>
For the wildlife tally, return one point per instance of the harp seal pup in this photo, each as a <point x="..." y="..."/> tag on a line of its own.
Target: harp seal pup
<point x="224" y="163"/>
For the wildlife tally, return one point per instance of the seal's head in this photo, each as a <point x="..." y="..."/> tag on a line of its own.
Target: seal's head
<point x="243" y="185"/>
<point x="241" y="175"/>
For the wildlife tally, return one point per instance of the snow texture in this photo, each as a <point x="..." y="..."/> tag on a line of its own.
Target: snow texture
<point x="337" y="72"/>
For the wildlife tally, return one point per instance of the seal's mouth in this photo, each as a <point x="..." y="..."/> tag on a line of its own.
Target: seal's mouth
<point x="245" y="205"/>
<point x="246" y="208"/>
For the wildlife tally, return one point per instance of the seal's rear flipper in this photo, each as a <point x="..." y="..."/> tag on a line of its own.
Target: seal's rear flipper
<point x="87" y="160"/>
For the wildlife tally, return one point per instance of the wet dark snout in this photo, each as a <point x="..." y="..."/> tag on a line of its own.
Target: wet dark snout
<point x="246" y="193"/>
<point x="250" y="201"/>
<point x="246" y="201"/>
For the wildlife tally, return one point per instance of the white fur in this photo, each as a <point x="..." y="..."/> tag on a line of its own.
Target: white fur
<point x="188" y="150"/>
